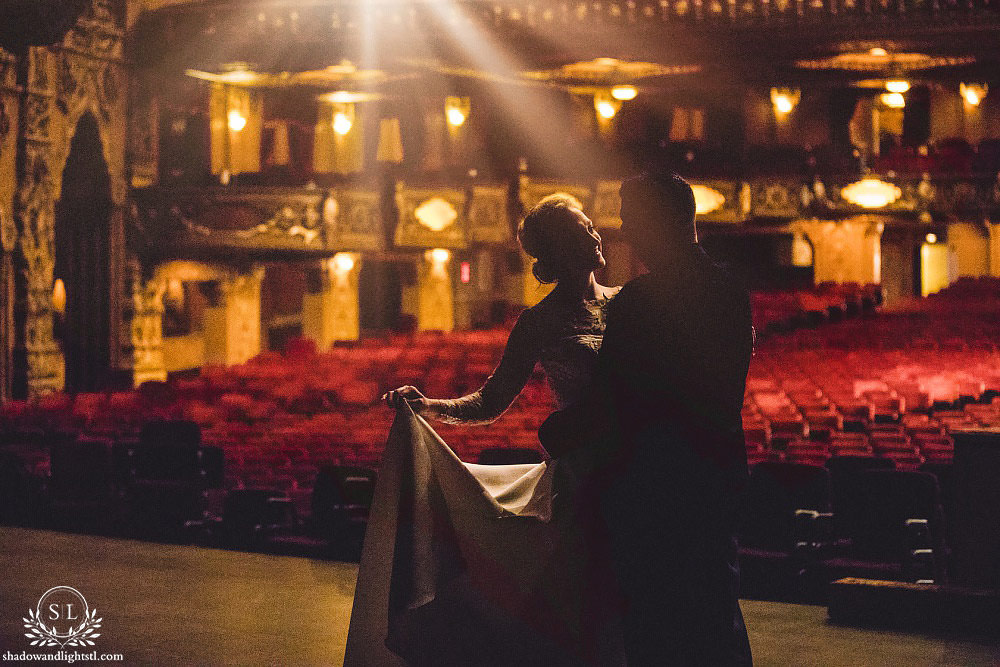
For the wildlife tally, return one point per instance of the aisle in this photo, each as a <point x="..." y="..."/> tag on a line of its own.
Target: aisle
<point x="166" y="604"/>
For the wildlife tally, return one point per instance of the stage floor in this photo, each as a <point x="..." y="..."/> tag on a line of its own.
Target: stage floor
<point x="166" y="604"/>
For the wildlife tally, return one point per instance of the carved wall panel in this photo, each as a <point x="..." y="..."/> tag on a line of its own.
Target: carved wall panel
<point x="430" y="217"/>
<point x="489" y="221"/>
<point x="352" y="220"/>
<point x="82" y="74"/>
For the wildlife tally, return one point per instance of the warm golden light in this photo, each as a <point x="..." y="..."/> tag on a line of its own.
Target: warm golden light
<point x="784" y="100"/>
<point x="897" y="86"/>
<point x="871" y="193"/>
<point x="237" y="121"/>
<point x="436" y="214"/>
<point x="932" y="238"/>
<point x="342" y="124"/>
<point x="605" y="109"/>
<point x="342" y="262"/>
<point x="878" y="51"/>
<point x="456" y="110"/>
<point x="59" y="296"/>
<point x="802" y="251"/>
<point x="624" y="93"/>
<point x="973" y="93"/>
<point x="438" y="255"/>
<point x="893" y="100"/>
<point x="707" y="199"/>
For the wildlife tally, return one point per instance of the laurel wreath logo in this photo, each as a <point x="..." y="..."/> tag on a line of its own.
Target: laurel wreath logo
<point x="45" y="636"/>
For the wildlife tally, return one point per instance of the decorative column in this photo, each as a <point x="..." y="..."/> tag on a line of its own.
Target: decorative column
<point x="34" y="207"/>
<point x="147" y="331"/>
<point x="436" y="300"/>
<point x="330" y="307"/>
<point x="232" y="321"/>
<point x="969" y="243"/>
<point x="844" y="251"/>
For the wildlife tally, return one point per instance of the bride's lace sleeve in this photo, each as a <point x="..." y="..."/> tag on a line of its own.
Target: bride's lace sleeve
<point x="501" y="388"/>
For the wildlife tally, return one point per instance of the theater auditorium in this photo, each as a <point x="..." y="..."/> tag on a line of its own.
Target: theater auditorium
<point x="229" y="227"/>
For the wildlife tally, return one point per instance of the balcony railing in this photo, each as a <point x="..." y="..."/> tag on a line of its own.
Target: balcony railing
<point x="235" y="223"/>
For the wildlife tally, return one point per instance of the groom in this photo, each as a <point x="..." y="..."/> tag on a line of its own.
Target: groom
<point x="673" y="367"/>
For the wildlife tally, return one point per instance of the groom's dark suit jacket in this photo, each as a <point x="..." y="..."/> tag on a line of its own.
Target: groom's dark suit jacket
<point x="673" y="368"/>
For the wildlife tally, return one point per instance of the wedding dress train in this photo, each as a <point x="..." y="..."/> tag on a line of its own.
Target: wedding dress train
<point x="467" y="564"/>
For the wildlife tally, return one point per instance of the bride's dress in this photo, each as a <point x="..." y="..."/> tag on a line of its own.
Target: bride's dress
<point x="467" y="564"/>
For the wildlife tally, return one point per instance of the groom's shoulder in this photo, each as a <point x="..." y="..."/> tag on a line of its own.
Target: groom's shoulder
<point x="633" y="294"/>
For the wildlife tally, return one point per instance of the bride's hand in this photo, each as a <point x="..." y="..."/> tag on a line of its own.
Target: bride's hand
<point x="419" y="403"/>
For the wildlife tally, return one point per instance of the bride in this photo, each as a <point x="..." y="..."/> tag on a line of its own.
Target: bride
<point x="467" y="564"/>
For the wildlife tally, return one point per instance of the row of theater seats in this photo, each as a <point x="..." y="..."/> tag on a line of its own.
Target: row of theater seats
<point x="827" y="302"/>
<point x="807" y="525"/>
<point x="893" y="386"/>
<point x="953" y="156"/>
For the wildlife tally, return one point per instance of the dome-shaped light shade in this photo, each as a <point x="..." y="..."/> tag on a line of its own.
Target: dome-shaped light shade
<point x="624" y="93"/>
<point x="897" y="86"/>
<point x="893" y="100"/>
<point x="871" y="193"/>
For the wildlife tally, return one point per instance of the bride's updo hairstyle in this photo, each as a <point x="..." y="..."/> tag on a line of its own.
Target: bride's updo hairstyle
<point x="543" y="231"/>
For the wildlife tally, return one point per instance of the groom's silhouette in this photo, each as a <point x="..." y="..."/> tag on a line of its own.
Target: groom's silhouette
<point x="673" y="367"/>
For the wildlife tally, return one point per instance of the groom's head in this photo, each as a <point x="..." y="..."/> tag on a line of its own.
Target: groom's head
<point x="657" y="215"/>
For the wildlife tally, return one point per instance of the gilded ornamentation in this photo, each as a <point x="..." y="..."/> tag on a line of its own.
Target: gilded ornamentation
<point x="352" y="220"/>
<point x="8" y="232"/>
<point x="4" y="121"/>
<point x="412" y="231"/>
<point x="63" y="82"/>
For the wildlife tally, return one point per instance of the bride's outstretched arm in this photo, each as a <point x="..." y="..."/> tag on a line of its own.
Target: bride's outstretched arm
<point x="490" y="401"/>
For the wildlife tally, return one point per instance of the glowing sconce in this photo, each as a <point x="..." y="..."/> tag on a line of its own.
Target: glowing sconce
<point x="897" y="86"/>
<point x="438" y="259"/>
<point x="707" y="199"/>
<point x="342" y="263"/>
<point x="436" y="214"/>
<point x="784" y="100"/>
<point x="624" y="93"/>
<point x="606" y="106"/>
<point x="236" y="120"/>
<point x="59" y="296"/>
<point x="438" y="255"/>
<point x="973" y="93"/>
<point x="871" y="193"/>
<point x="931" y="238"/>
<point x="343" y="118"/>
<point x="893" y="100"/>
<point x="456" y="110"/>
